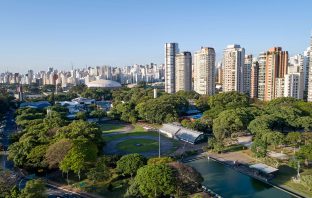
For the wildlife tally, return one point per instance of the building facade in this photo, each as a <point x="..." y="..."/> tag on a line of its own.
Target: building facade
<point x="247" y="74"/>
<point x="171" y="49"/>
<point x="276" y="68"/>
<point x="254" y="76"/>
<point x="293" y="85"/>
<point x="261" y="75"/>
<point x="233" y="65"/>
<point x="183" y="71"/>
<point x="306" y="68"/>
<point x="204" y="69"/>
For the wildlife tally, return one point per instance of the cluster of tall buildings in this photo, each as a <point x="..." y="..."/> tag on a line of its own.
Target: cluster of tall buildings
<point x="184" y="73"/>
<point x="271" y="75"/>
<point x="124" y="75"/>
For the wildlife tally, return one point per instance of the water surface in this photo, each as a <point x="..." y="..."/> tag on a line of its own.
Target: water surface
<point x="229" y="183"/>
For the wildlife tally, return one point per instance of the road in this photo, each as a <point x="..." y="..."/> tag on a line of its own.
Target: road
<point x="8" y="127"/>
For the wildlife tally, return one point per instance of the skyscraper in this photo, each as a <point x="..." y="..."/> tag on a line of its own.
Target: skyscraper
<point x="276" y="68"/>
<point x="306" y="67"/>
<point x="233" y="65"/>
<point x="261" y="75"/>
<point x="254" y="76"/>
<point x="247" y="73"/>
<point x="183" y="71"/>
<point x="171" y="49"/>
<point x="293" y="85"/>
<point x="310" y="75"/>
<point x="204" y="68"/>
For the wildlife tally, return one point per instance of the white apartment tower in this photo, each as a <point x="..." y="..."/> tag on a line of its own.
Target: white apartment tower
<point x="204" y="69"/>
<point x="293" y="85"/>
<point x="233" y="65"/>
<point x="183" y="71"/>
<point x="171" y="49"/>
<point x="310" y="75"/>
<point x="306" y="67"/>
<point x="261" y="75"/>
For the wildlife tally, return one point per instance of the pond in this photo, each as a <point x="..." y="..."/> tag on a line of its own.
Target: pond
<point x="229" y="183"/>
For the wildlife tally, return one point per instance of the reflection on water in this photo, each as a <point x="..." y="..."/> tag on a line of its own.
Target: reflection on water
<point x="230" y="183"/>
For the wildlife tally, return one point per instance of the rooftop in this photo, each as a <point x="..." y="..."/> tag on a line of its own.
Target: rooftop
<point x="264" y="168"/>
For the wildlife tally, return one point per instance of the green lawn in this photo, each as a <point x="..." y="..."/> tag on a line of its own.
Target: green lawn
<point x="138" y="145"/>
<point x="137" y="131"/>
<point x="109" y="128"/>
<point x="108" y="138"/>
<point x="284" y="178"/>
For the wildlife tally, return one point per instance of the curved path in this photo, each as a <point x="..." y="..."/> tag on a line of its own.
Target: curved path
<point x="111" y="147"/>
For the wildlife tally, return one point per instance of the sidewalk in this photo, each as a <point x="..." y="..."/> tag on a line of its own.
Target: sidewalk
<point x="67" y="189"/>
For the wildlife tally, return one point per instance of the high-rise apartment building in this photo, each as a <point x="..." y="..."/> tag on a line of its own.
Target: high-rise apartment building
<point x="254" y="76"/>
<point x="261" y="75"/>
<point x="233" y="65"/>
<point x="309" y="98"/>
<point x="171" y="49"/>
<point x="204" y="69"/>
<point x="183" y="71"/>
<point x="276" y="68"/>
<point x="219" y="79"/>
<point x="306" y="67"/>
<point x="247" y="73"/>
<point x="293" y="85"/>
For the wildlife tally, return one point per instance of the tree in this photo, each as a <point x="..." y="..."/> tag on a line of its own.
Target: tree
<point x="294" y="138"/>
<point x="14" y="193"/>
<point x="216" y="145"/>
<point x="305" y="152"/>
<point x="81" y="130"/>
<point x="229" y="100"/>
<point x="202" y="103"/>
<point x="259" y="147"/>
<point x="188" y="179"/>
<point x="305" y="122"/>
<point x="98" y="114"/>
<point x="57" y="151"/>
<point x="166" y="108"/>
<point x="230" y="121"/>
<point x="274" y="138"/>
<point x="36" y="156"/>
<point x="78" y="156"/>
<point x="159" y="160"/>
<point x="155" y="180"/>
<point x="7" y="182"/>
<point x="100" y="171"/>
<point x="34" y="188"/>
<point x="81" y="115"/>
<point x="129" y="164"/>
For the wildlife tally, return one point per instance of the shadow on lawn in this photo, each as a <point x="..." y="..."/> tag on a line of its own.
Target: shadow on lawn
<point x="285" y="174"/>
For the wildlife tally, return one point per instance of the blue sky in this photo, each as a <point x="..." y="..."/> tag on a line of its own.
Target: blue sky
<point x="39" y="34"/>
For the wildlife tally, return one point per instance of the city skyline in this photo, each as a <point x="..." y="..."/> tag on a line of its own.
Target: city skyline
<point x="81" y="34"/>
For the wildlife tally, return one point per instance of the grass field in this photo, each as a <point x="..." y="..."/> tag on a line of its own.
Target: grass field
<point x="109" y="128"/>
<point x="138" y="145"/>
<point x="285" y="175"/>
<point x="137" y="131"/>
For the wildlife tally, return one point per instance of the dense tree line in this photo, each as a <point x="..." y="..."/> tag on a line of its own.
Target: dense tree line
<point x="280" y="121"/>
<point x="158" y="177"/>
<point x="131" y="105"/>
<point x="49" y="141"/>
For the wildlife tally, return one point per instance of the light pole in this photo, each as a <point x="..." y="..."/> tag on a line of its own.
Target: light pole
<point x="158" y="143"/>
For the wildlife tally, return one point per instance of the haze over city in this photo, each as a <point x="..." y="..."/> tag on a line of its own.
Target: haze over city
<point x="61" y="34"/>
